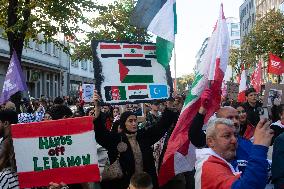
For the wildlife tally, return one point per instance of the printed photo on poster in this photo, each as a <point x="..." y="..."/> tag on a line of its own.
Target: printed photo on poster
<point x="273" y="95"/>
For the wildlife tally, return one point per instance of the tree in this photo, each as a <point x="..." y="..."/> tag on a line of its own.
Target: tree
<point x="266" y="36"/>
<point x="23" y="20"/>
<point x="184" y="81"/>
<point x="111" y="24"/>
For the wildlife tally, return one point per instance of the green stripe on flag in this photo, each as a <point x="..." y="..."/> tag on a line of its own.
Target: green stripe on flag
<point x="122" y="93"/>
<point x="175" y="18"/>
<point x="138" y="79"/>
<point x="164" y="50"/>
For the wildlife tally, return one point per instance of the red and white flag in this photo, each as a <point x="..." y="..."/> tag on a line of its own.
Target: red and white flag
<point x="242" y="86"/>
<point x="180" y="153"/>
<point x="275" y="65"/>
<point x="256" y="77"/>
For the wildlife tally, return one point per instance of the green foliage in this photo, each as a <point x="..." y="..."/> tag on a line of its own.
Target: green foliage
<point x="266" y="36"/>
<point x="112" y="24"/>
<point x="23" y="20"/>
<point x="184" y="81"/>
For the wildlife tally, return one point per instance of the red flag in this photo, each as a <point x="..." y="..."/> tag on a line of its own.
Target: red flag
<point x="275" y="65"/>
<point x="242" y="87"/>
<point x="256" y="77"/>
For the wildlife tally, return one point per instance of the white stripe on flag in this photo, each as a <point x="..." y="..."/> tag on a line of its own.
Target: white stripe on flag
<point x="83" y="143"/>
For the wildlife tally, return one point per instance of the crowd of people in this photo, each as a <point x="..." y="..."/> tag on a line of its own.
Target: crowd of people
<point x="232" y="147"/>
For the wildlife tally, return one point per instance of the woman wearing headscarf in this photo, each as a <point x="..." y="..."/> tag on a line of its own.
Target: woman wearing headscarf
<point x="131" y="147"/>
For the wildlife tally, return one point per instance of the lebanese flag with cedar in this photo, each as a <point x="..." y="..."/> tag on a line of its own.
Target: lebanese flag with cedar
<point x="242" y="86"/>
<point x="180" y="153"/>
<point x="275" y="65"/>
<point x="256" y="77"/>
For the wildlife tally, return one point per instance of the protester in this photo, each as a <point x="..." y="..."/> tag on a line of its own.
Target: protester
<point x="198" y="137"/>
<point x="252" y="106"/>
<point x="134" y="146"/>
<point x="277" y="162"/>
<point x="8" y="176"/>
<point x="213" y="169"/>
<point x="278" y="126"/>
<point x="152" y="116"/>
<point x="246" y="128"/>
<point x="141" y="181"/>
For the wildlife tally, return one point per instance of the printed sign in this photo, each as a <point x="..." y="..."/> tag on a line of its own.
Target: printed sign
<point x="273" y="93"/>
<point x="55" y="151"/>
<point x="88" y="92"/>
<point x="129" y="72"/>
<point x="232" y="90"/>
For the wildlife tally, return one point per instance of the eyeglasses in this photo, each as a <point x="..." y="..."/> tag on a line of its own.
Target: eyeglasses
<point x="242" y="112"/>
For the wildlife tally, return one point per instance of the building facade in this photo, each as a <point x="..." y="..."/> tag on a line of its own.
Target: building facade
<point x="81" y="72"/>
<point x="264" y="6"/>
<point x="247" y="14"/>
<point x="47" y="69"/>
<point x="234" y="32"/>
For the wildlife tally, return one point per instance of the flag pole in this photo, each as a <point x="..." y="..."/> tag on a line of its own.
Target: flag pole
<point x="175" y="66"/>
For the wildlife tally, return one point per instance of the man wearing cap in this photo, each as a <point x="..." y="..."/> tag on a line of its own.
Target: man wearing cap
<point x="153" y="116"/>
<point x="252" y="106"/>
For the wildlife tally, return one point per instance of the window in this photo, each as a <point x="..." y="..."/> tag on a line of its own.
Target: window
<point x="84" y="65"/>
<point x="91" y="67"/>
<point x="47" y="48"/>
<point x="234" y="26"/>
<point x="235" y="33"/>
<point x="37" y="46"/>
<point x="48" y="85"/>
<point x="74" y="64"/>
<point x="55" y="86"/>
<point x="235" y="42"/>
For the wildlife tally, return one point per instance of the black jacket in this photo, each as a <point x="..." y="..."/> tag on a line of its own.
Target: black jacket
<point x="277" y="162"/>
<point x="253" y="112"/>
<point x="145" y="138"/>
<point x="195" y="134"/>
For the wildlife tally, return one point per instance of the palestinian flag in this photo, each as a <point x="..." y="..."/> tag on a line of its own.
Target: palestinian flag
<point x="158" y="17"/>
<point x="180" y="153"/>
<point x="138" y="92"/>
<point x="140" y="65"/>
<point x="115" y="93"/>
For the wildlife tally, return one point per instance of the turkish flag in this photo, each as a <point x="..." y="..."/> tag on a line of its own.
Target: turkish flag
<point x="256" y="77"/>
<point x="275" y="65"/>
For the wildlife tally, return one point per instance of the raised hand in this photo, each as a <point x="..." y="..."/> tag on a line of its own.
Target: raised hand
<point x="263" y="134"/>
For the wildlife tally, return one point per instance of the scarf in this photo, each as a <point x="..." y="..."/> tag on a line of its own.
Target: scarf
<point x="136" y="152"/>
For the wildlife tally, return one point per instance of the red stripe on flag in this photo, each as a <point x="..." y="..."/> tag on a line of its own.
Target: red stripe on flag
<point x="132" y="46"/>
<point x="105" y="46"/>
<point x="53" y="128"/>
<point x="68" y="175"/>
<point x="137" y="87"/>
<point x="149" y="47"/>
<point x="133" y="55"/>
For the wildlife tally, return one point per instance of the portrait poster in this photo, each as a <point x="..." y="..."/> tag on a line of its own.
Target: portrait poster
<point x="88" y="92"/>
<point x="273" y="92"/>
<point x="129" y="73"/>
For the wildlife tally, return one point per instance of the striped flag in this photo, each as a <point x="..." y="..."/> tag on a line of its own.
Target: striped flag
<point x="53" y="151"/>
<point x="180" y="153"/>
<point x="115" y="93"/>
<point x="242" y="86"/>
<point x="158" y="17"/>
<point x="115" y="50"/>
<point x="138" y="92"/>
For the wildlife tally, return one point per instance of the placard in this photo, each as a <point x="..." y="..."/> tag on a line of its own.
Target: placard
<point x="129" y="73"/>
<point x="272" y="92"/>
<point x="55" y="151"/>
<point x="232" y="90"/>
<point x="88" y="92"/>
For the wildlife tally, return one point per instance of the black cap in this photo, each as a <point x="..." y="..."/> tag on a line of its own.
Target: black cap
<point x="249" y="90"/>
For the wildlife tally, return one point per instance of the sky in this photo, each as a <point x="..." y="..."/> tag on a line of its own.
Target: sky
<point x="196" y="19"/>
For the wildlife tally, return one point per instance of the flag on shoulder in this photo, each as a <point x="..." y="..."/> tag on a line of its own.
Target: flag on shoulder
<point x="14" y="80"/>
<point x="180" y="154"/>
<point x="158" y="17"/>
<point x="275" y="65"/>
